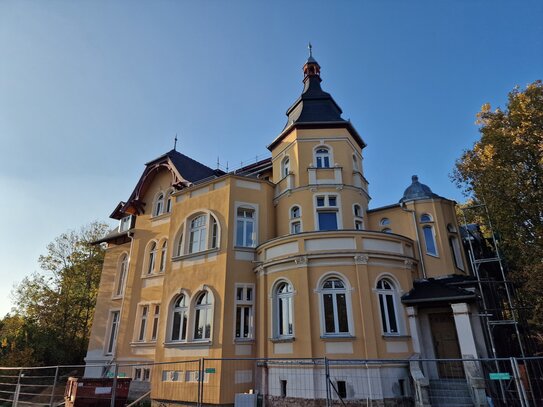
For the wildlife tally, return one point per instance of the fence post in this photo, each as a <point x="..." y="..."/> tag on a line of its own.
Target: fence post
<point x="328" y="390"/>
<point x="201" y="374"/>
<point x="17" y="389"/>
<point x="114" y="385"/>
<point x="518" y="382"/>
<point x="52" y="400"/>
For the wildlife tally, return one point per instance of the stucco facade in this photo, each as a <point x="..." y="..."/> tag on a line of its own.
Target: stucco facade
<point x="281" y="259"/>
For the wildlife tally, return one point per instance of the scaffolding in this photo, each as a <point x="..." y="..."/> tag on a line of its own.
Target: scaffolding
<point x="500" y="311"/>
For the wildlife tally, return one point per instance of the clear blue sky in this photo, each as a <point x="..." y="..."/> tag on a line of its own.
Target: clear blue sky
<point x="91" y="90"/>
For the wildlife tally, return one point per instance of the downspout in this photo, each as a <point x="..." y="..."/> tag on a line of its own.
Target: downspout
<point x="403" y="206"/>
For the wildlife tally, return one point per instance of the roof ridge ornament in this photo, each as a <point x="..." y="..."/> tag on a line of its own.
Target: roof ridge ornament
<point x="310" y="47"/>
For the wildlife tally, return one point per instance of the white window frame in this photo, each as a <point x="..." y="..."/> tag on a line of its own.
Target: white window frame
<point x="207" y="310"/>
<point x="428" y="224"/>
<point x="122" y="273"/>
<point x="249" y="206"/>
<point x="285" y="167"/>
<point x="319" y="157"/>
<point x="183" y="312"/>
<point x="348" y="304"/>
<point x="328" y="208"/>
<point x="112" y="332"/>
<point x="382" y="294"/>
<point x="149" y="263"/>
<point x="198" y="233"/>
<point x="276" y="298"/>
<point x="184" y="239"/>
<point x="454" y="243"/>
<point x="358" y="219"/>
<point x="155" y="325"/>
<point x="125" y="223"/>
<point x="242" y="304"/>
<point x="163" y="254"/>
<point x="168" y="205"/>
<point x="295" y="220"/>
<point x="143" y="316"/>
<point x="158" y="204"/>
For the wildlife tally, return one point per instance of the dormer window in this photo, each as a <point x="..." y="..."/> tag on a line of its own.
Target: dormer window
<point x="159" y="204"/>
<point x="125" y="223"/>
<point x="322" y="157"/>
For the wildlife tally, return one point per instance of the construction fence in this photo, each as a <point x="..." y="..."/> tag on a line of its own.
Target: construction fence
<point x="244" y="382"/>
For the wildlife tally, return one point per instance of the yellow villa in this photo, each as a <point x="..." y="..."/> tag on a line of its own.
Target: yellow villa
<point x="281" y="259"/>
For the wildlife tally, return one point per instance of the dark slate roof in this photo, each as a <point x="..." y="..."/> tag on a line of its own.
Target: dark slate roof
<point x="256" y="169"/>
<point x="446" y="290"/>
<point x="314" y="105"/>
<point x="113" y="235"/>
<point x="191" y="170"/>
<point x="417" y="191"/>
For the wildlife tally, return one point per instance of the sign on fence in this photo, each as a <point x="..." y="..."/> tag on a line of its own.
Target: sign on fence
<point x="500" y="376"/>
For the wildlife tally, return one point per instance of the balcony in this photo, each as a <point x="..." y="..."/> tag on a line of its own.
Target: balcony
<point x="338" y="242"/>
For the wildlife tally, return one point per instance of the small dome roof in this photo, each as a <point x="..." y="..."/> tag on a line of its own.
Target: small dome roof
<point x="417" y="191"/>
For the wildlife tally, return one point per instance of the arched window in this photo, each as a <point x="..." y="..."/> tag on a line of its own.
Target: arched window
<point x="322" y="157"/>
<point x="384" y="222"/>
<point x="197" y="240"/>
<point x="179" y="242"/>
<point x="159" y="204"/>
<point x="285" y="167"/>
<point x="180" y="319"/>
<point x="455" y="247"/>
<point x="386" y="230"/>
<point x="151" y="260"/>
<point x="169" y="201"/>
<point x="425" y="218"/>
<point x="429" y="235"/>
<point x="284" y="316"/>
<point x="358" y="220"/>
<point x="214" y="233"/>
<point x="163" y="251"/>
<point x="387" y="294"/>
<point x="203" y="316"/>
<point x="355" y="163"/>
<point x="335" y="310"/>
<point x="245" y="227"/>
<point x="295" y="222"/>
<point x="121" y="275"/>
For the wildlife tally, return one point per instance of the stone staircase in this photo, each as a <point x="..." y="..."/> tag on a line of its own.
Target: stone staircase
<point x="450" y="393"/>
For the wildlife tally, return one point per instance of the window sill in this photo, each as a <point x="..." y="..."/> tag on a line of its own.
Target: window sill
<point x="393" y="337"/>
<point x="338" y="337"/>
<point x="154" y="275"/>
<point x="251" y="249"/>
<point x="161" y="216"/>
<point x="282" y="340"/>
<point x="191" y="255"/>
<point x="244" y="340"/>
<point x="117" y="297"/>
<point x="143" y="344"/>
<point x="187" y="344"/>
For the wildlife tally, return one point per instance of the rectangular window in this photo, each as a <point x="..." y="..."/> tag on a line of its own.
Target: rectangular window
<point x="113" y="329"/>
<point x="245" y="227"/>
<point x="283" y="384"/>
<point x="244" y="312"/>
<point x="156" y="315"/>
<point x="327" y="220"/>
<point x="341" y="389"/>
<point x="327" y="212"/>
<point x="429" y="240"/>
<point x="125" y="223"/>
<point x="143" y="322"/>
<point x="455" y="247"/>
<point x="295" y="227"/>
<point x="358" y="225"/>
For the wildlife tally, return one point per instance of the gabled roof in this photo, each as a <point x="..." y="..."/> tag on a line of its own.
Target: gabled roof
<point x="184" y="171"/>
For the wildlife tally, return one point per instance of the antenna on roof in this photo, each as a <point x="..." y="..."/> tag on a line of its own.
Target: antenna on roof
<point x="218" y="163"/>
<point x="175" y="142"/>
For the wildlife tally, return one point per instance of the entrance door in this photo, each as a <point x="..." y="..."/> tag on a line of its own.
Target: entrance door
<point x="446" y="345"/>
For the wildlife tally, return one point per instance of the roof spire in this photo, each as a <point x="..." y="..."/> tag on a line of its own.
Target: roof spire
<point x="175" y="142"/>
<point x="310" y="47"/>
<point x="311" y="66"/>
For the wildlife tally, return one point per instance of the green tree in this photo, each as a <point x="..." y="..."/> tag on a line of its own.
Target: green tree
<point x="56" y="306"/>
<point x="504" y="169"/>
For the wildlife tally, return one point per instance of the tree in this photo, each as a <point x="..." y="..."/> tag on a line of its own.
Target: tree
<point x="504" y="170"/>
<point x="55" y="307"/>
